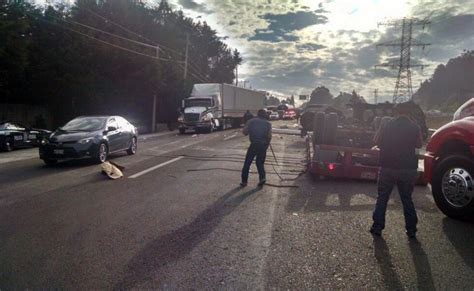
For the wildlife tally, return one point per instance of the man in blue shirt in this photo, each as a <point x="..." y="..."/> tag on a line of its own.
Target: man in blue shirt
<point x="259" y="130"/>
<point x="397" y="141"/>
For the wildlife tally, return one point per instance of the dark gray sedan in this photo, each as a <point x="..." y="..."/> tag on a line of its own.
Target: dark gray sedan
<point x="89" y="136"/>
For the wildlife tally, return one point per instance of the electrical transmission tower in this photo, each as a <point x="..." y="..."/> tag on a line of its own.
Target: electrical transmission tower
<point x="403" y="88"/>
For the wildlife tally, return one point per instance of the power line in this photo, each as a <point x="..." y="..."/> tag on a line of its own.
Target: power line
<point x="160" y="47"/>
<point x="403" y="86"/>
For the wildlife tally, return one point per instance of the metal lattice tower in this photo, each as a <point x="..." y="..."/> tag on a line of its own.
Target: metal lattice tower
<point x="403" y="87"/>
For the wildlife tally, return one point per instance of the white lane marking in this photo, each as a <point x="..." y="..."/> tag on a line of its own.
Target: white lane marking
<point x="155" y="167"/>
<point x="230" y="136"/>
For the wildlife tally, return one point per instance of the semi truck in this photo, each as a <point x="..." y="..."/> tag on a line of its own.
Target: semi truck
<point x="213" y="106"/>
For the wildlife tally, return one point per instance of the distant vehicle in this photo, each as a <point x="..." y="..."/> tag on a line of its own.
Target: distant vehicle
<point x="274" y="115"/>
<point x="449" y="164"/>
<point x="213" y="106"/>
<point x="89" y="136"/>
<point x="289" y="114"/>
<point x="14" y="135"/>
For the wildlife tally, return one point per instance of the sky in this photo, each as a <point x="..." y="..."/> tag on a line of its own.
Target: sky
<point x="293" y="46"/>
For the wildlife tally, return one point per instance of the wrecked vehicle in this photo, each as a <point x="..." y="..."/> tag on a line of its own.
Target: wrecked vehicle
<point x="340" y="144"/>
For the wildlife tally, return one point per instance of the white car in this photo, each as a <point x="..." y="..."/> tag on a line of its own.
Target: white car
<point x="274" y="116"/>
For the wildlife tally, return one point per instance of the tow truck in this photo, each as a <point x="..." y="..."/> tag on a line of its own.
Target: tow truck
<point x="449" y="164"/>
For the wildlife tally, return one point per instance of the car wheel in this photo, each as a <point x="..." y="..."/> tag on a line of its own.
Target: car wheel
<point x="453" y="186"/>
<point x="8" y="146"/>
<point x="133" y="147"/>
<point x="102" y="153"/>
<point x="182" y="131"/>
<point x="50" y="162"/>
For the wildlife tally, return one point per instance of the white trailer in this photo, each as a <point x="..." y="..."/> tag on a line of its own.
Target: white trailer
<point x="214" y="106"/>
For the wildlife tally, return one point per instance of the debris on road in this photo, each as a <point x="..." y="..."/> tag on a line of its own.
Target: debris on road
<point x="112" y="170"/>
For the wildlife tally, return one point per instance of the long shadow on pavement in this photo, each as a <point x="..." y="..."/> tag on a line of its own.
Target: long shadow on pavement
<point x="314" y="196"/>
<point x="461" y="235"/>
<point x="173" y="246"/>
<point x="422" y="266"/>
<point x="384" y="259"/>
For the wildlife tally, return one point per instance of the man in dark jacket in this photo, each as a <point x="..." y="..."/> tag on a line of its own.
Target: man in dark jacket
<point x="397" y="141"/>
<point x="259" y="130"/>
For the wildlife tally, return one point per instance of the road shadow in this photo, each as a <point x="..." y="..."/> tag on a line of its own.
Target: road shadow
<point x="461" y="236"/>
<point x="349" y="195"/>
<point x="172" y="246"/>
<point x="422" y="266"/>
<point x="384" y="260"/>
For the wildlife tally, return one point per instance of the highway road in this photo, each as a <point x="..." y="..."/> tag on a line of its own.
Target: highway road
<point x="178" y="220"/>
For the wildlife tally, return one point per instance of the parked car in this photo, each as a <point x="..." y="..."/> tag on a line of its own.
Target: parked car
<point x="274" y="115"/>
<point x="289" y="114"/>
<point x="14" y="135"/>
<point x="449" y="164"/>
<point x="89" y="136"/>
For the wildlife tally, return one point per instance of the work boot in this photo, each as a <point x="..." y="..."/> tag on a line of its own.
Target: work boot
<point x="243" y="184"/>
<point x="262" y="182"/>
<point x="375" y="231"/>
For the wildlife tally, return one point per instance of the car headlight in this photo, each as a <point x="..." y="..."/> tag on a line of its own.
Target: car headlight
<point x="207" y="117"/>
<point x="86" y="140"/>
<point x="181" y="118"/>
<point x="44" y="141"/>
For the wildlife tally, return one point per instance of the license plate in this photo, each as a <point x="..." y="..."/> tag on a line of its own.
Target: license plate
<point x="59" y="152"/>
<point x="368" y="175"/>
<point x="32" y="136"/>
<point x="18" y="137"/>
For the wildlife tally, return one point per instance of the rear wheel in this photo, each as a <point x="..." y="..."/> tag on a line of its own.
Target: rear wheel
<point x="102" y="153"/>
<point x="318" y="127"/>
<point x="453" y="186"/>
<point x="330" y="129"/>
<point x="133" y="147"/>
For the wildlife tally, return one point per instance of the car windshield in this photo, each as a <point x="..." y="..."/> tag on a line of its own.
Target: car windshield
<point x="85" y="124"/>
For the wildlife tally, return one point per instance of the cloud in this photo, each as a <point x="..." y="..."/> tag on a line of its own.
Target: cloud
<point x="192" y="5"/>
<point x="281" y="26"/>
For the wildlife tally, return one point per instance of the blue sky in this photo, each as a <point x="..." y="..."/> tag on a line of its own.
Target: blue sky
<point x="292" y="46"/>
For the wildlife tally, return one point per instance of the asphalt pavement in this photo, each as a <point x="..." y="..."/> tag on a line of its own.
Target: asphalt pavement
<point x="178" y="220"/>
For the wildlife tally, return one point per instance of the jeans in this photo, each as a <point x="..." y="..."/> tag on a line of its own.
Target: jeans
<point x="405" y="181"/>
<point x="260" y="151"/>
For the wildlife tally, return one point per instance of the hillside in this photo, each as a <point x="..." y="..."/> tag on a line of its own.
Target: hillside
<point x="450" y="86"/>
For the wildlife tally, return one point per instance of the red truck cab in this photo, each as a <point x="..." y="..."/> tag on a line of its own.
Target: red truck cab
<point x="449" y="164"/>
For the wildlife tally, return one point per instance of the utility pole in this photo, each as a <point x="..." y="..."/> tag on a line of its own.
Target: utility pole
<point x="186" y="57"/>
<point x="153" y="112"/>
<point x="237" y="75"/>
<point x="375" y="96"/>
<point x="403" y="87"/>
<point x="245" y="83"/>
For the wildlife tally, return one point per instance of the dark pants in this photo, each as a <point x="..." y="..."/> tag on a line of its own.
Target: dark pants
<point x="260" y="151"/>
<point x="405" y="181"/>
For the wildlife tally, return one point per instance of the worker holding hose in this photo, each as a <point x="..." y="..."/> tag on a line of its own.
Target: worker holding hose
<point x="259" y="130"/>
<point x="397" y="141"/>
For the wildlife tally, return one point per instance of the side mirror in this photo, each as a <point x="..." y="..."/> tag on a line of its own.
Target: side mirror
<point x="111" y="128"/>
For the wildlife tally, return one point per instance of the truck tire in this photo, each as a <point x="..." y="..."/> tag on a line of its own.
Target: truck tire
<point x="182" y="131"/>
<point x="318" y="127"/>
<point x="452" y="186"/>
<point x="235" y="122"/>
<point x="330" y="129"/>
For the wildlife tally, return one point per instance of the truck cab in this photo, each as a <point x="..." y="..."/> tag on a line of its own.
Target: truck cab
<point x="199" y="114"/>
<point x="449" y="164"/>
